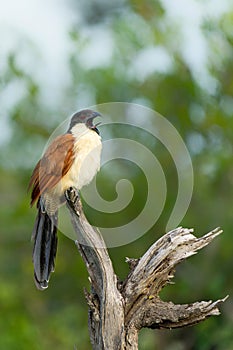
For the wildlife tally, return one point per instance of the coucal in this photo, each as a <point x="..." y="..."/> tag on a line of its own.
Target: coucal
<point x="71" y="160"/>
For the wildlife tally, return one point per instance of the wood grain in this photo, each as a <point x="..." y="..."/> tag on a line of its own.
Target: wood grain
<point x="117" y="311"/>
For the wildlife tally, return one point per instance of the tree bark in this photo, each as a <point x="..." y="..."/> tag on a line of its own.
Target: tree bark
<point x="117" y="311"/>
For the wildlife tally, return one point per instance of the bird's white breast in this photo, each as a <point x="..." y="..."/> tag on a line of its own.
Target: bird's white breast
<point x="87" y="152"/>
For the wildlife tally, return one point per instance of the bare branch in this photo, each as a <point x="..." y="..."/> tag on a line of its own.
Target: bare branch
<point x="118" y="311"/>
<point x="157" y="265"/>
<point x="106" y="315"/>
<point x="159" y="314"/>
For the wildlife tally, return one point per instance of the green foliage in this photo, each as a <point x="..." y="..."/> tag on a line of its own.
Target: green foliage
<point x="201" y="112"/>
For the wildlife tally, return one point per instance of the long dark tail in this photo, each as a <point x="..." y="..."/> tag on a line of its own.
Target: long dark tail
<point x="45" y="246"/>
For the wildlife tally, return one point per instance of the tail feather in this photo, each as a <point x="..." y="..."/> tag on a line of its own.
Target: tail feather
<point x="45" y="246"/>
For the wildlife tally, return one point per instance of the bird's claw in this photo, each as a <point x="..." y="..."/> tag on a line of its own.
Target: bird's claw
<point x="72" y="195"/>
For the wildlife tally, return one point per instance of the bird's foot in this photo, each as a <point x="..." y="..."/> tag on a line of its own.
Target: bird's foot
<point x="72" y="195"/>
<point x="73" y="198"/>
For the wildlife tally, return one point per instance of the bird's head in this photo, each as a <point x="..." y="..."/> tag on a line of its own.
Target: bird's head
<point x="86" y="116"/>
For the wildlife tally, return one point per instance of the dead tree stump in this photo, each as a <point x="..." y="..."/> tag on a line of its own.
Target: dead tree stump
<point x="118" y="312"/>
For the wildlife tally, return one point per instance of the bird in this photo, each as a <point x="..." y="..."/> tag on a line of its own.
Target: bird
<point x="71" y="160"/>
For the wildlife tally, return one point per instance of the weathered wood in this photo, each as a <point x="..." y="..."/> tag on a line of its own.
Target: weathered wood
<point x="106" y="309"/>
<point x="159" y="314"/>
<point x="156" y="267"/>
<point x="117" y="312"/>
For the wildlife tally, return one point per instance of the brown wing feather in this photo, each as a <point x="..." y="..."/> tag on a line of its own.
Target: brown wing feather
<point x="54" y="164"/>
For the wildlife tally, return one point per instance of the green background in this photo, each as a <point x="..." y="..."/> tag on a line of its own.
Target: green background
<point x="197" y="101"/>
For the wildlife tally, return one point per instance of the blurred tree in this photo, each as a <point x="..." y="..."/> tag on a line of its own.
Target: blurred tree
<point x="173" y="58"/>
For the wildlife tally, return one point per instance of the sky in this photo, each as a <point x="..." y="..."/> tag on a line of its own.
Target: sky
<point x="45" y="53"/>
<point x="46" y="25"/>
<point x="189" y="16"/>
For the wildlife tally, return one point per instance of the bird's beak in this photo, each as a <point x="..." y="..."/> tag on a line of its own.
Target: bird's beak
<point x="95" y="115"/>
<point x="91" y="119"/>
<point x="97" y="124"/>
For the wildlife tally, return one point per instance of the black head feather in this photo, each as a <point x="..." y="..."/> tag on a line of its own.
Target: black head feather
<point x="85" y="116"/>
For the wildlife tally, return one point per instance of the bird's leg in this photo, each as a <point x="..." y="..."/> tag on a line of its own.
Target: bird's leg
<point x="72" y="196"/>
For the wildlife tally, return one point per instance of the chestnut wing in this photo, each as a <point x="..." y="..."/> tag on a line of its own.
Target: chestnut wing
<point x="54" y="164"/>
